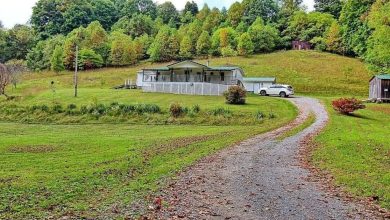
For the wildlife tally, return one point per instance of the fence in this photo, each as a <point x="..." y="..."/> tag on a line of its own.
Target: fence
<point x="186" y="88"/>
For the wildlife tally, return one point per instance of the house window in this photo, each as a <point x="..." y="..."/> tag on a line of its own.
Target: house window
<point x="222" y="76"/>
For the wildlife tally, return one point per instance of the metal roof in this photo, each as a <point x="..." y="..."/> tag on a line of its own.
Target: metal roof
<point x="383" y="76"/>
<point x="259" y="79"/>
<point x="208" y="68"/>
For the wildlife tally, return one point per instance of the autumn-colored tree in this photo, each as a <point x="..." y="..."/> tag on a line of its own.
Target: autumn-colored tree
<point x="165" y="46"/>
<point x="235" y="13"/>
<point x="186" y="48"/>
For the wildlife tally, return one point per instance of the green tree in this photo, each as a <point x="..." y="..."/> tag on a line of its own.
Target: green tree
<point x="18" y="41"/>
<point x="332" y="7"/>
<point x="135" y="26"/>
<point x="97" y="40"/>
<point x="56" y="61"/>
<point x="265" y="9"/>
<point x="235" y="13"/>
<point x="122" y="50"/>
<point x="191" y="7"/>
<point x="167" y="11"/>
<point x="77" y="13"/>
<point x="88" y="59"/>
<point x="223" y="37"/>
<point x="165" y="46"/>
<point x="265" y="37"/>
<point x="378" y="51"/>
<point x="213" y="20"/>
<point x="186" y="48"/>
<point x="145" y="7"/>
<point x="3" y="44"/>
<point x="203" y="45"/>
<point x="105" y="12"/>
<point x="333" y="39"/>
<point x="73" y="39"/>
<point x="245" y="45"/>
<point x="38" y="58"/>
<point x="354" y="27"/>
<point x="47" y="18"/>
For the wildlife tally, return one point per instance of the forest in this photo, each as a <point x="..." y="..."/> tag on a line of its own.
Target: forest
<point x="123" y="32"/>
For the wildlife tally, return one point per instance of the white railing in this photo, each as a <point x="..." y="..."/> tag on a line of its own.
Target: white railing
<point x="188" y="88"/>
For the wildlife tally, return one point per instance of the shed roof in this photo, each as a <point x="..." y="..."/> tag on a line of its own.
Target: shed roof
<point x="259" y="79"/>
<point x="381" y="76"/>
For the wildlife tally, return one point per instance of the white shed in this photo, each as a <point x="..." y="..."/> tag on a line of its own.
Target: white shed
<point x="253" y="84"/>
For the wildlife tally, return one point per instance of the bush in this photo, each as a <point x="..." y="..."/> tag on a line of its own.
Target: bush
<point x="43" y="108"/>
<point x="57" y="108"/>
<point x="235" y="95"/>
<point x="176" y="110"/>
<point x="195" y="109"/>
<point x="347" y="105"/>
<point x="72" y="106"/>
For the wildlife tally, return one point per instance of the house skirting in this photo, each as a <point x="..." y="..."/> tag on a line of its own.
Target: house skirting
<point x="187" y="88"/>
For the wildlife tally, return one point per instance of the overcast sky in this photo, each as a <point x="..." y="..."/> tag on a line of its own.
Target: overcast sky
<point x="19" y="11"/>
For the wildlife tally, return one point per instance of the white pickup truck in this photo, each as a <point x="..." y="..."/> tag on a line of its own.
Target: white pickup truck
<point x="277" y="90"/>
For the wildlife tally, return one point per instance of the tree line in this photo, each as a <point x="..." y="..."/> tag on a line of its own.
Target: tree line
<point x="123" y="32"/>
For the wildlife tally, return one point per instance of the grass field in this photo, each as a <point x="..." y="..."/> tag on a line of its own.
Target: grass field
<point x="80" y="166"/>
<point x="356" y="150"/>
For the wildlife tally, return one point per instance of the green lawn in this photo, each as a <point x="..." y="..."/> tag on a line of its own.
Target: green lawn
<point x="80" y="165"/>
<point x="356" y="150"/>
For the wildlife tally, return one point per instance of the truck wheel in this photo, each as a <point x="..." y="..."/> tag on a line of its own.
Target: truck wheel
<point x="283" y="95"/>
<point x="263" y="93"/>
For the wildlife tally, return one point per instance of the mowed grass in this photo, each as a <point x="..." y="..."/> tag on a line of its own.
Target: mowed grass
<point x="356" y="151"/>
<point x="83" y="171"/>
<point x="99" y="168"/>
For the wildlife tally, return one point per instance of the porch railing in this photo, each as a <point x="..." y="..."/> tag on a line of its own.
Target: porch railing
<point x="188" y="88"/>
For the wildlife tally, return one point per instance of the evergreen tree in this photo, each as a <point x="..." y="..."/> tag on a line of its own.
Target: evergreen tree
<point x="167" y="11"/>
<point x="56" y="61"/>
<point x="235" y="13"/>
<point x="191" y="7"/>
<point x="165" y="46"/>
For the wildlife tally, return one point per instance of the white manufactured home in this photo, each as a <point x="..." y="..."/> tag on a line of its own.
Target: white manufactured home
<point x="189" y="77"/>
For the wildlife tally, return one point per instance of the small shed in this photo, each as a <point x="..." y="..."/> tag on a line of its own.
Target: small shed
<point x="253" y="84"/>
<point x="301" y="45"/>
<point x="380" y="87"/>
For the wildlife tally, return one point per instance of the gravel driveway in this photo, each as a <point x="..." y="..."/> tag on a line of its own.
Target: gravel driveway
<point x="257" y="179"/>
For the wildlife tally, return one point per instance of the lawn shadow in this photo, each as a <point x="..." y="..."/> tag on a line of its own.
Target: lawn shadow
<point x="355" y="115"/>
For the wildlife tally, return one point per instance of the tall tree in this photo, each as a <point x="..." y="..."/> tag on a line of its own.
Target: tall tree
<point x="333" y="39"/>
<point x="245" y="45"/>
<point x="186" y="48"/>
<point x="265" y="9"/>
<point x="145" y="7"/>
<point x="136" y="25"/>
<point x="77" y="13"/>
<point x="167" y="11"/>
<point x="265" y="37"/>
<point x="204" y="44"/>
<point x="235" y="13"/>
<point x="354" y="27"/>
<point x="191" y="7"/>
<point x="105" y="12"/>
<point x="47" y="18"/>
<point x="203" y="13"/>
<point x="378" y="51"/>
<point x="165" y="46"/>
<point x="19" y="40"/>
<point x="332" y="7"/>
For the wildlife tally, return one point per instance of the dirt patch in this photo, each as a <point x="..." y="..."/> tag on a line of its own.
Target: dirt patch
<point x="32" y="149"/>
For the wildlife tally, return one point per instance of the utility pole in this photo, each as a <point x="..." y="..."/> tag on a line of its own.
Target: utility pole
<point x="75" y="71"/>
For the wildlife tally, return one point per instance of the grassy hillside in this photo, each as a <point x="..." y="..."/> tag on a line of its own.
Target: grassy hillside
<point x="356" y="150"/>
<point x="309" y="72"/>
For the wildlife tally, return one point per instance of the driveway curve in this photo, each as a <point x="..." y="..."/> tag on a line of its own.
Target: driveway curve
<point x="258" y="179"/>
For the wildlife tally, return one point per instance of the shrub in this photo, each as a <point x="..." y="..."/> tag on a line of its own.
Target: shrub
<point x="271" y="115"/>
<point x="176" y="110"/>
<point x="43" y="108"/>
<point x="195" y="108"/>
<point x="57" y="108"/>
<point x="347" y="105"/>
<point x="72" y="106"/>
<point x="147" y="108"/>
<point x="235" y="95"/>
<point x="84" y="110"/>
